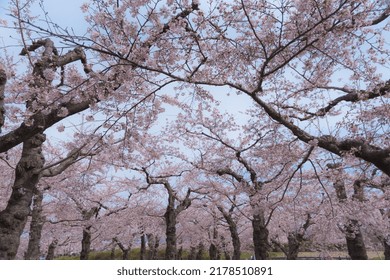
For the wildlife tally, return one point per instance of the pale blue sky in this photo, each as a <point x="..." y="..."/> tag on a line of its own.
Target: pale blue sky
<point x="64" y="13"/>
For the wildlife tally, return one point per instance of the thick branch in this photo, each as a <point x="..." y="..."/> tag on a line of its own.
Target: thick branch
<point x="382" y="17"/>
<point x="375" y="155"/>
<point x="185" y="203"/>
<point x="251" y="171"/>
<point x="3" y="81"/>
<point x="43" y="121"/>
<point x="58" y="167"/>
<point x="351" y="96"/>
<point x="228" y="171"/>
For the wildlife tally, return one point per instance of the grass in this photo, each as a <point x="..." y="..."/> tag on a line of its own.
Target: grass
<point x="135" y="253"/>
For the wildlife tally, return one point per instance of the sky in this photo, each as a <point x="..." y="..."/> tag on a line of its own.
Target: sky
<point x="65" y="13"/>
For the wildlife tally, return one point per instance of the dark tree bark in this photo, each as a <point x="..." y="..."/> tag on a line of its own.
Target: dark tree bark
<point x="353" y="235"/>
<point x="87" y="234"/>
<point x="170" y="216"/>
<point x="259" y="224"/>
<point x="224" y="248"/>
<point x="294" y="243"/>
<point x="199" y="254"/>
<point x="37" y="221"/>
<point x="213" y="251"/>
<point x="192" y="253"/>
<point x="14" y="217"/>
<point x="180" y="253"/>
<point x="113" y="248"/>
<point x="3" y="81"/>
<point x="143" y="247"/>
<point x="260" y="237"/>
<point x="170" y="223"/>
<point x="51" y="249"/>
<point x="355" y="243"/>
<point x="125" y="254"/>
<point x="86" y="243"/>
<point x="386" y="244"/>
<point x="295" y="240"/>
<point x="233" y="232"/>
<point x="125" y="250"/>
<point x="153" y="244"/>
<point x="50" y="59"/>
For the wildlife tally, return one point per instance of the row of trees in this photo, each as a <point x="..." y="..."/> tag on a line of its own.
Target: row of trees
<point x="307" y="161"/>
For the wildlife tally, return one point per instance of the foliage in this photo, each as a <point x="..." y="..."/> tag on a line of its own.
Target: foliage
<point x="226" y="126"/>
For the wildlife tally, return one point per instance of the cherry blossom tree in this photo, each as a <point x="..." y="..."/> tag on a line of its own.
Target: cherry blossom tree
<point x="314" y="71"/>
<point x="288" y="58"/>
<point x="175" y="206"/>
<point x="48" y="103"/>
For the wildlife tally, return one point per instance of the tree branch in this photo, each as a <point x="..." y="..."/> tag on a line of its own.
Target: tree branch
<point x="378" y="156"/>
<point x="351" y="96"/>
<point x="3" y="81"/>
<point x="43" y="121"/>
<point x="61" y="165"/>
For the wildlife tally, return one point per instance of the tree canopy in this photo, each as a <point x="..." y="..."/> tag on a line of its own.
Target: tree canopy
<point x="120" y="136"/>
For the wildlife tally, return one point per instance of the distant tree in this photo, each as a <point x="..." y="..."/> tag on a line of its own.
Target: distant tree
<point x="174" y="207"/>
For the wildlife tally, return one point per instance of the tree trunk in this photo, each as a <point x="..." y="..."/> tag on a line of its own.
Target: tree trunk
<point x="156" y="245"/>
<point x="192" y="254"/>
<point x="125" y="254"/>
<point x="260" y="237"/>
<point x="295" y="239"/>
<point x="353" y="234"/>
<point x="170" y="215"/>
<point x="355" y="242"/>
<point x="227" y="255"/>
<point x="233" y="233"/>
<point x="170" y="221"/>
<point x="294" y="243"/>
<point x="213" y="251"/>
<point x="235" y="237"/>
<point x="50" y="251"/>
<point x="236" y="242"/>
<point x="180" y="253"/>
<point x="386" y="244"/>
<point x="125" y="250"/>
<point x="153" y="244"/>
<point x="199" y="254"/>
<point x="37" y="221"/>
<point x="86" y="243"/>
<point x="112" y="254"/>
<point x="143" y="248"/>
<point x="14" y="217"/>
<point x="224" y="247"/>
